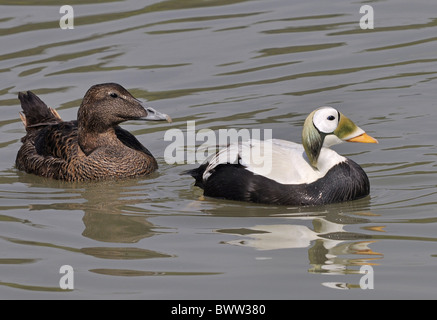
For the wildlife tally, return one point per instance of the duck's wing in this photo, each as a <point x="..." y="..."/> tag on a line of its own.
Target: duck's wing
<point x="47" y="152"/>
<point x="57" y="141"/>
<point x="129" y="140"/>
<point x="282" y="161"/>
<point x="49" y="143"/>
<point x="50" y="136"/>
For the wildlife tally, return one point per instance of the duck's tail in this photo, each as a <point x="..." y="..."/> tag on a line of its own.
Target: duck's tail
<point x="35" y="112"/>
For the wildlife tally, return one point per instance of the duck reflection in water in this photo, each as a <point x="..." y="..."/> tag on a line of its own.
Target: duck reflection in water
<point x="329" y="244"/>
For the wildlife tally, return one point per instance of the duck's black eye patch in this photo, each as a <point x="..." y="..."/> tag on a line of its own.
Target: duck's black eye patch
<point x="330" y="118"/>
<point x="113" y="94"/>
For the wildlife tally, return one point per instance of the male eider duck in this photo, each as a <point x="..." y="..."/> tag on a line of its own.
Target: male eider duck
<point x="92" y="148"/>
<point x="286" y="173"/>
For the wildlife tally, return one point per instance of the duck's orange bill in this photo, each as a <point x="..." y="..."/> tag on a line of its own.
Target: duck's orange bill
<point x="363" y="138"/>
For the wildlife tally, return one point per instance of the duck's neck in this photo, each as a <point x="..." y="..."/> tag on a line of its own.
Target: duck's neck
<point x="90" y="140"/>
<point x="312" y="143"/>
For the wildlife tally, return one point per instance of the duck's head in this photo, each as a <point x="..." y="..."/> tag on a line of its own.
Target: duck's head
<point x="108" y="104"/>
<point x="325" y="127"/>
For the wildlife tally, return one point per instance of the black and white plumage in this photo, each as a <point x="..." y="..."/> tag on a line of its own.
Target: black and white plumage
<point x="286" y="173"/>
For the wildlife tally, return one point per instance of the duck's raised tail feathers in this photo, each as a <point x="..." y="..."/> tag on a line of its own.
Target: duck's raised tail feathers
<point x="36" y="112"/>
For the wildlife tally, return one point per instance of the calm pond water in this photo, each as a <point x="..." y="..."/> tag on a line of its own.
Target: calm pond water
<point x="260" y="64"/>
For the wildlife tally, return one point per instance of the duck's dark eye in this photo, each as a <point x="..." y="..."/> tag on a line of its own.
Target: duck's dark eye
<point x="330" y="118"/>
<point x="113" y="94"/>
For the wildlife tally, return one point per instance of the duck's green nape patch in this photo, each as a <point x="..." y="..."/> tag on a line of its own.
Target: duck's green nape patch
<point x="312" y="140"/>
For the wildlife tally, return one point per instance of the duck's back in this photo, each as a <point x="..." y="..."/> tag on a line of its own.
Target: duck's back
<point x="47" y="151"/>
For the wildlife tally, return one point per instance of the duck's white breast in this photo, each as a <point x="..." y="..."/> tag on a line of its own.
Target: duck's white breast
<point x="282" y="161"/>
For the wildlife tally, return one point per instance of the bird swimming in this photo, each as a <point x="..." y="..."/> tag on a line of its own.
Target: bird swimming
<point x="93" y="147"/>
<point x="281" y="172"/>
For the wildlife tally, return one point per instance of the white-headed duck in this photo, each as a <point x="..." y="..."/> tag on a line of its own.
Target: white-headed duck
<point x="291" y="174"/>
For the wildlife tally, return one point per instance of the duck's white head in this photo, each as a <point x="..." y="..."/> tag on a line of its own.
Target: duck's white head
<point x="325" y="127"/>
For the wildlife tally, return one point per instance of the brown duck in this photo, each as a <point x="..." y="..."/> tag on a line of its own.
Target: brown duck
<point x="93" y="147"/>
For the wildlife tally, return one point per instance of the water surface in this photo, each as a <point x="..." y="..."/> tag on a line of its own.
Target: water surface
<point x="224" y="64"/>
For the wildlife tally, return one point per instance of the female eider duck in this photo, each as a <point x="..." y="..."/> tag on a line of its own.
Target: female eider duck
<point x="286" y="173"/>
<point x="92" y="148"/>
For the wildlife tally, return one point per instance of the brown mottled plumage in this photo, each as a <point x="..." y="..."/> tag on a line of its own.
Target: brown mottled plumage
<point x="92" y="148"/>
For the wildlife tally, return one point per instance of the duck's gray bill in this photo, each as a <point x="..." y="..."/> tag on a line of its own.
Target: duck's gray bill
<point x="154" y="115"/>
